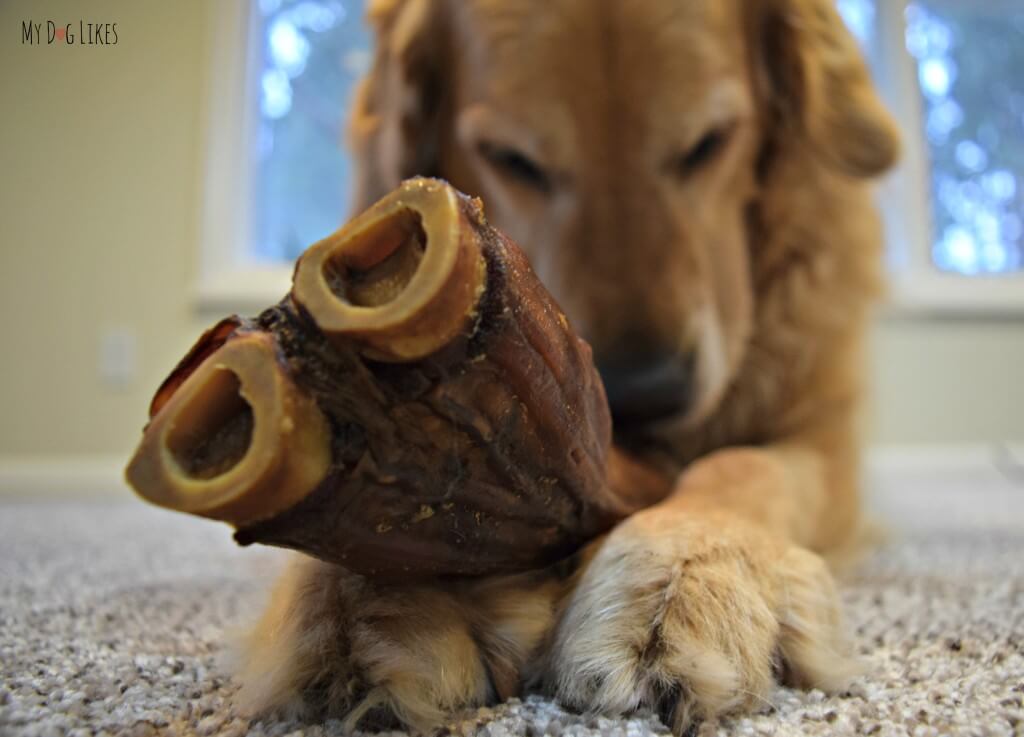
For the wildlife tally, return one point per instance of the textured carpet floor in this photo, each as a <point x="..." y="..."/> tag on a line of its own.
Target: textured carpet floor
<point x="112" y="615"/>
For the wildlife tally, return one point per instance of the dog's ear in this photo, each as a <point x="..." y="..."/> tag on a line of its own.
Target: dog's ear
<point x="394" y="129"/>
<point x="817" y="86"/>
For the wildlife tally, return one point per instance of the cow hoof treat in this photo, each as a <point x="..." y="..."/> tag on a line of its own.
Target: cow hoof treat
<point x="417" y="405"/>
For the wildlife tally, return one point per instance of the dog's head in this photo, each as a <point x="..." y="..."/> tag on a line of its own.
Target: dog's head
<point x="625" y="146"/>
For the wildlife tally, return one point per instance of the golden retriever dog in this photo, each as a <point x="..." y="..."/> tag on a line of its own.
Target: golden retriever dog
<point x="690" y="179"/>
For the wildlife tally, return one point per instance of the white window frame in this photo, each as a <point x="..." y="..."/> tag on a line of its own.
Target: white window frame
<point x="226" y="284"/>
<point x="916" y="285"/>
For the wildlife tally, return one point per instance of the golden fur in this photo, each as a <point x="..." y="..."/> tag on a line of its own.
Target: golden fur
<point x="694" y="172"/>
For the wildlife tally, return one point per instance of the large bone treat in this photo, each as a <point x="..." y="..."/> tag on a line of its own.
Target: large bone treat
<point x="418" y="404"/>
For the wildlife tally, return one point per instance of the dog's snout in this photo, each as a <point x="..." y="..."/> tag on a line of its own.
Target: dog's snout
<point x="645" y="387"/>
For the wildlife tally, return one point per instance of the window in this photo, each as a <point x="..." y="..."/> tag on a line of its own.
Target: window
<point x="966" y="61"/>
<point x="310" y="56"/>
<point x="951" y="70"/>
<point x="283" y="75"/>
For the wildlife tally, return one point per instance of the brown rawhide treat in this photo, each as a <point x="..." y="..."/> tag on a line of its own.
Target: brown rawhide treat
<point x="418" y="405"/>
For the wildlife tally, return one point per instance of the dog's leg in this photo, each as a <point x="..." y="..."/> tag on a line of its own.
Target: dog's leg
<point x="333" y="644"/>
<point x="693" y="606"/>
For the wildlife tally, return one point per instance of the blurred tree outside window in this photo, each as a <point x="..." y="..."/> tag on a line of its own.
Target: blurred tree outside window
<point x="970" y="63"/>
<point x="969" y="57"/>
<point x="311" y="54"/>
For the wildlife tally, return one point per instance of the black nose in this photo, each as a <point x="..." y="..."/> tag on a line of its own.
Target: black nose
<point x="643" y="386"/>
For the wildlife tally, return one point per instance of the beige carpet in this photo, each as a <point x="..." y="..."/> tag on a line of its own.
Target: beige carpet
<point x="112" y="614"/>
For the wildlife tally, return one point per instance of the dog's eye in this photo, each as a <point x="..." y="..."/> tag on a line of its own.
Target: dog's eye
<point x="706" y="149"/>
<point x="516" y="165"/>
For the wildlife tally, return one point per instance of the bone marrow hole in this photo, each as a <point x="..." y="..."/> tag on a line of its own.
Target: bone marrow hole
<point x="213" y="431"/>
<point x="374" y="269"/>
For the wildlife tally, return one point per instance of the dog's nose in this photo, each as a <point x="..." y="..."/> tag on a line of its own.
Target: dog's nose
<point x="644" y="387"/>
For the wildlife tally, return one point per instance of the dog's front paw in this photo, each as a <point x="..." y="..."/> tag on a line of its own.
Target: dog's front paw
<point x="694" y="618"/>
<point x="333" y="644"/>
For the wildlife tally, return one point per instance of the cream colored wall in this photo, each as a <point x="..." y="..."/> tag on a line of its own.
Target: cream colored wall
<point x="947" y="381"/>
<point x="102" y="155"/>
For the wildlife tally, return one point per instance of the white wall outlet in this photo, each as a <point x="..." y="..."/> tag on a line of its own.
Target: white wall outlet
<point x="118" y="357"/>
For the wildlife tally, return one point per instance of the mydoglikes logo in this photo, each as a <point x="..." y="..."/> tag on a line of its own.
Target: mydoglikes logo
<point x="71" y="34"/>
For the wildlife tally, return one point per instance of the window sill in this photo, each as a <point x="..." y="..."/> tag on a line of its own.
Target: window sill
<point x="948" y="295"/>
<point x="245" y="291"/>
